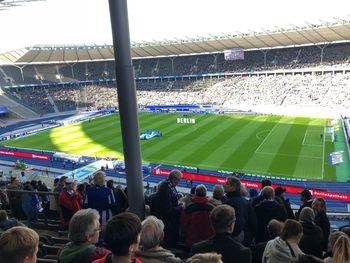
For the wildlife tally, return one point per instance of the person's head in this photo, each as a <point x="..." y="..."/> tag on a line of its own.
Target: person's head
<point x="279" y="191"/>
<point x="193" y="191"/>
<point x="292" y="229"/>
<point x="341" y="250"/>
<point x="84" y="227"/>
<point x="201" y="190"/>
<point x="304" y="258"/>
<point x="13" y="180"/>
<point x="121" y="234"/>
<point x="110" y="184"/>
<point x="305" y="195"/>
<point x="232" y="184"/>
<point x="307" y="215"/>
<point x="222" y="219"/>
<point x="205" y="258"/>
<point x="265" y="182"/>
<point x="19" y="245"/>
<point x="268" y="193"/>
<point x="175" y="177"/>
<point x="333" y="237"/>
<point x="99" y="178"/>
<point x="152" y="232"/>
<point x="3" y="215"/>
<point x="274" y="228"/>
<point x="319" y="205"/>
<point x="81" y="188"/>
<point x="218" y="192"/>
<point x="69" y="184"/>
<point x="63" y="179"/>
<point x="253" y="192"/>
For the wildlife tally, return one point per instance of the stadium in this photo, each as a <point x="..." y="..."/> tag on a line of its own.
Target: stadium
<point x="268" y="105"/>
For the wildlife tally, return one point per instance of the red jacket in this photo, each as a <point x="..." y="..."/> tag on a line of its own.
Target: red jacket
<point x="69" y="203"/>
<point x="107" y="259"/>
<point x="195" y="219"/>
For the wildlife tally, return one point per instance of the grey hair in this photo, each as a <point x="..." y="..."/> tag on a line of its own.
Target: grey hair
<point x="82" y="225"/>
<point x="218" y="192"/>
<point x="307" y="215"/>
<point x="201" y="190"/>
<point x="151" y="232"/>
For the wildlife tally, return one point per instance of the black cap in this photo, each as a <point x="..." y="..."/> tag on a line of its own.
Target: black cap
<point x="306" y="193"/>
<point x="279" y="190"/>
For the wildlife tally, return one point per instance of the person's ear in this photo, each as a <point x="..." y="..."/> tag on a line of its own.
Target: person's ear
<point x="162" y="236"/>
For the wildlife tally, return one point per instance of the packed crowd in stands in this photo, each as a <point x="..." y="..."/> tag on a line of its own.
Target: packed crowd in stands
<point x="326" y="91"/>
<point x="229" y="226"/>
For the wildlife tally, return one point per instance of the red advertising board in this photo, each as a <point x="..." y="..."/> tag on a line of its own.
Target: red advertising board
<point x="25" y="155"/>
<point x="257" y="185"/>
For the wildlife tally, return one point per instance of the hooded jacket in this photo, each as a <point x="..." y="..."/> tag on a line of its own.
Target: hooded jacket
<point x="277" y="251"/>
<point x="81" y="254"/>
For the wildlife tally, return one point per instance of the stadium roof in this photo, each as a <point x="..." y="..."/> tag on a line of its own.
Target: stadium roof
<point x="338" y="31"/>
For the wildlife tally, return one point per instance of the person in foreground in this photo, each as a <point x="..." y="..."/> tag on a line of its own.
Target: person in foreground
<point x="19" y="245"/>
<point x="205" y="258"/>
<point x="285" y="247"/>
<point x="150" y="251"/>
<point x="121" y="235"/>
<point x="222" y="219"/>
<point x="84" y="232"/>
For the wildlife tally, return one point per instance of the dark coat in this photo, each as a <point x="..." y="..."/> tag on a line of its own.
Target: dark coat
<point x="224" y="244"/>
<point x="305" y="204"/>
<point x="312" y="241"/>
<point x="265" y="211"/>
<point x="242" y="209"/>
<point x="321" y="219"/>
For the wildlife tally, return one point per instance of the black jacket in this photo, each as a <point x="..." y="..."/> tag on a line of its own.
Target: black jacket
<point x="224" y="244"/>
<point x="312" y="241"/>
<point x="322" y="221"/>
<point x="265" y="211"/>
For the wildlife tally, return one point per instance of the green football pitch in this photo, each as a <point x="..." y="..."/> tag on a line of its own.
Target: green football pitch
<point x="287" y="147"/>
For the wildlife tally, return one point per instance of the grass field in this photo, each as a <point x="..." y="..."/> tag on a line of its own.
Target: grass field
<point x="267" y="145"/>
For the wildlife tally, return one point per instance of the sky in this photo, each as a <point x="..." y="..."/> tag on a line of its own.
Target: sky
<point x="88" y="21"/>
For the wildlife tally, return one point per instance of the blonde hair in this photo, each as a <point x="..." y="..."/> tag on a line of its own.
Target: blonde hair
<point x="341" y="250"/>
<point x="99" y="178"/>
<point x="18" y="243"/>
<point x="205" y="258"/>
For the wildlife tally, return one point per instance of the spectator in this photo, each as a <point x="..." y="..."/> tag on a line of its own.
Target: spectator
<point x="15" y="199"/>
<point x="246" y="220"/>
<point x="100" y="197"/>
<point x="121" y="235"/>
<point x="19" y="245"/>
<point x="274" y="229"/>
<point x="31" y="204"/>
<point x="321" y="219"/>
<point x="222" y="219"/>
<point x="69" y="201"/>
<point x="256" y="200"/>
<point x="312" y="240"/>
<point x="266" y="210"/>
<point x="279" y="196"/>
<point x="84" y="231"/>
<point x="341" y="250"/>
<point x="168" y="207"/>
<point x="150" y="251"/>
<point x="120" y="198"/>
<point x="195" y="217"/>
<point x="205" y="258"/>
<point x="306" y="198"/>
<point x="218" y="195"/>
<point x="187" y="200"/>
<point x="333" y="237"/>
<point x="285" y="247"/>
<point x="6" y="223"/>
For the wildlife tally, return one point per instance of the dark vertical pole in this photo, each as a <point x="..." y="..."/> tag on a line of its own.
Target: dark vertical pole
<point x="127" y="105"/>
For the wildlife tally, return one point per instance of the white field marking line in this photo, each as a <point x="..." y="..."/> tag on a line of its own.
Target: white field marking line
<point x="257" y="149"/>
<point x="291" y="155"/>
<point x="324" y="142"/>
<point x="304" y="138"/>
